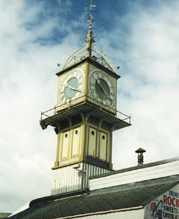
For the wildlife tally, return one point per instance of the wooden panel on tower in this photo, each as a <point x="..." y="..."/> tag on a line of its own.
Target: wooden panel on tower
<point x="92" y="142"/>
<point x="98" y="145"/>
<point x="76" y="142"/>
<point x="65" y="145"/>
<point x="103" y="143"/>
<point x="70" y="146"/>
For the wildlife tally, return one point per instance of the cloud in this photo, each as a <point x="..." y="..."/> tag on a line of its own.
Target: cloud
<point x="27" y="87"/>
<point x="149" y="89"/>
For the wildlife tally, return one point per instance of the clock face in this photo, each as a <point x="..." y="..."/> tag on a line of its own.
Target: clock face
<point x="72" y="86"/>
<point x="101" y="88"/>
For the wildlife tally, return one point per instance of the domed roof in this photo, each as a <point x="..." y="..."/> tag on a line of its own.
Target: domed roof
<point x="83" y="53"/>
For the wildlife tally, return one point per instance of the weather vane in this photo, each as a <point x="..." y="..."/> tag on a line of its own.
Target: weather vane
<point x="90" y="36"/>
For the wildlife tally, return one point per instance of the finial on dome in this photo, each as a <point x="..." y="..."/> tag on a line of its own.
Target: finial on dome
<point x="90" y="36"/>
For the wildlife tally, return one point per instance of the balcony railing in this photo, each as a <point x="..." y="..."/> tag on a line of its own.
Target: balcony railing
<point x="55" y="110"/>
<point x="123" y="117"/>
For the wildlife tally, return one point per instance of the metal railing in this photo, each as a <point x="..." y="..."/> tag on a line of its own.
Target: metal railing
<point x="123" y="117"/>
<point x="55" y="110"/>
<point x="82" y="53"/>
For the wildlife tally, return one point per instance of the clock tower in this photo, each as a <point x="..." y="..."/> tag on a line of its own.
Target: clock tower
<point x="84" y="118"/>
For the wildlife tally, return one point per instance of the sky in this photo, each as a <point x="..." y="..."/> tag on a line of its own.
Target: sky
<point x="35" y="35"/>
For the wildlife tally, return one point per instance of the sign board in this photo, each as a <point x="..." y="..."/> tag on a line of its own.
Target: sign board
<point x="165" y="206"/>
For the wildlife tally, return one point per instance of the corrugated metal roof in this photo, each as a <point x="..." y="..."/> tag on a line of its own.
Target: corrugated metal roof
<point x="107" y="199"/>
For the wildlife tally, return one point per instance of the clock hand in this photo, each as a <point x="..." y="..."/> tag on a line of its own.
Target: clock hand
<point x="104" y="91"/>
<point x="72" y="88"/>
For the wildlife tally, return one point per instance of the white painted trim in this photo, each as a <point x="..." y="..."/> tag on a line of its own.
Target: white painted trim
<point x="131" y="176"/>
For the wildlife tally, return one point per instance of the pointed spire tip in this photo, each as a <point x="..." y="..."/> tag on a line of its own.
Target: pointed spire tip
<point x="90" y="35"/>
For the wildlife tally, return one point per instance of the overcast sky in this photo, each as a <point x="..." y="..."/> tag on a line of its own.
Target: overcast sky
<point x="139" y="35"/>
